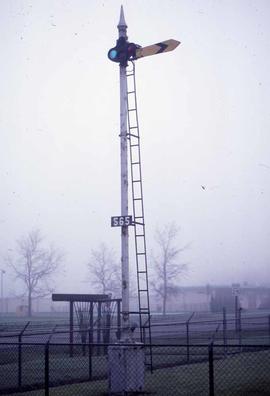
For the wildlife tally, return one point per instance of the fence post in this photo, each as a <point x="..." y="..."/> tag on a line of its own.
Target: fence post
<point x="90" y="355"/>
<point x="47" y="379"/>
<point x="187" y="335"/>
<point x="269" y="327"/>
<point x="71" y="335"/>
<point x="236" y="312"/>
<point x="211" y="369"/>
<point x="144" y="335"/>
<point x="118" y="320"/>
<point x="20" y="355"/>
<point x="214" y="334"/>
<point x="99" y="328"/>
<point x="240" y="328"/>
<point x="20" y="361"/>
<point x="225" y="330"/>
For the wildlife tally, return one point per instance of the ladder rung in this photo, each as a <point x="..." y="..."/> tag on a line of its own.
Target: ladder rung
<point x="136" y="181"/>
<point x="132" y="109"/>
<point x="132" y="134"/>
<point x="133" y="127"/>
<point x="135" y="163"/>
<point x="130" y="92"/>
<point x="137" y="199"/>
<point x="138" y="217"/>
<point x="134" y="145"/>
<point x="139" y="235"/>
<point x="142" y="272"/>
<point x="143" y="290"/>
<point x="138" y="223"/>
<point x="141" y="254"/>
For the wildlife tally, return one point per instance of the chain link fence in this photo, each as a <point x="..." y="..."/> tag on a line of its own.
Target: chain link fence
<point x="79" y="369"/>
<point x="244" y="371"/>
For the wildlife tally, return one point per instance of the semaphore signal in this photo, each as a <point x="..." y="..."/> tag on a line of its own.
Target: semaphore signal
<point x="128" y="353"/>
<point x="125" y="51"/>
<point x="122" y="53"/>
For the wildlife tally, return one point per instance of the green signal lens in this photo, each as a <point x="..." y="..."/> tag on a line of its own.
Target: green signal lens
<point x="113" y="54"/>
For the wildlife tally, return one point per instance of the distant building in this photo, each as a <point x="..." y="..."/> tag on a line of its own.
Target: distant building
<point x="189" y="298"/>
<point x="214" y="298"/>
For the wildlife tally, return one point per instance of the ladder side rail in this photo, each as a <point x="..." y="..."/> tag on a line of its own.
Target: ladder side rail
<point x="135" y="127"/>
<point x="142" y="203"/>
<point x="142" y="210"/>
<point x="139" y="179"/>
<point x="131" y="92"/>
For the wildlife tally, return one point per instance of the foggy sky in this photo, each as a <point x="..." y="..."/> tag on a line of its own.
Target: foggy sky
<point x="204" y="123"/>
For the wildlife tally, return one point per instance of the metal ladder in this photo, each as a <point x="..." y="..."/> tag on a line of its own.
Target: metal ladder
<point x="138" y="209"/>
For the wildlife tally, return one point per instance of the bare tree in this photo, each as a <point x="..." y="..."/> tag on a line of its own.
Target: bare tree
<point x="34" y="265"/>
<point x="103" y="270"/>
<point x="167" y="265"/>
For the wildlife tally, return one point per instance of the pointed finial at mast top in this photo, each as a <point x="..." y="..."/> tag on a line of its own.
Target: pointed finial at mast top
<point x="122" y="22"/>
<point x="122" y="26"/>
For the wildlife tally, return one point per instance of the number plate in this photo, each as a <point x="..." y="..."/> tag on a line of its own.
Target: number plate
<point x="119" y="221"/>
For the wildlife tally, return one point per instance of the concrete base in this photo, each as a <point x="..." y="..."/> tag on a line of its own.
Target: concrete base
<point x="126" y="368"/>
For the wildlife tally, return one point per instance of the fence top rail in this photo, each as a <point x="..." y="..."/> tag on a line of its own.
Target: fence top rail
<point x="191" y="322"/>
<point x="159" y="324"/>
<point x="138" y="344"/>
<point x="54" y="332"/>
<point x="216" y="320"/>
<point x="31" y="332"/>
<point x="13" y="329"/>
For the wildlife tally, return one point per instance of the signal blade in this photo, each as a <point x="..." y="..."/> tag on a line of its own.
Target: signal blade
<point x="164" y="46"/>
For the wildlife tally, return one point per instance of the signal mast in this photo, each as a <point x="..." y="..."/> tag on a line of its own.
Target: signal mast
<point x="128" y="357"/>
<point x="122" y="53"/>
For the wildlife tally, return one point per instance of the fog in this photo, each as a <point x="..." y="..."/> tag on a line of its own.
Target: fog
<point x="204" y="123"/>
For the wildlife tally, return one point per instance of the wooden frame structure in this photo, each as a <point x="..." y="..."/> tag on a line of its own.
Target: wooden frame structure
<point x="98" y="299"/>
